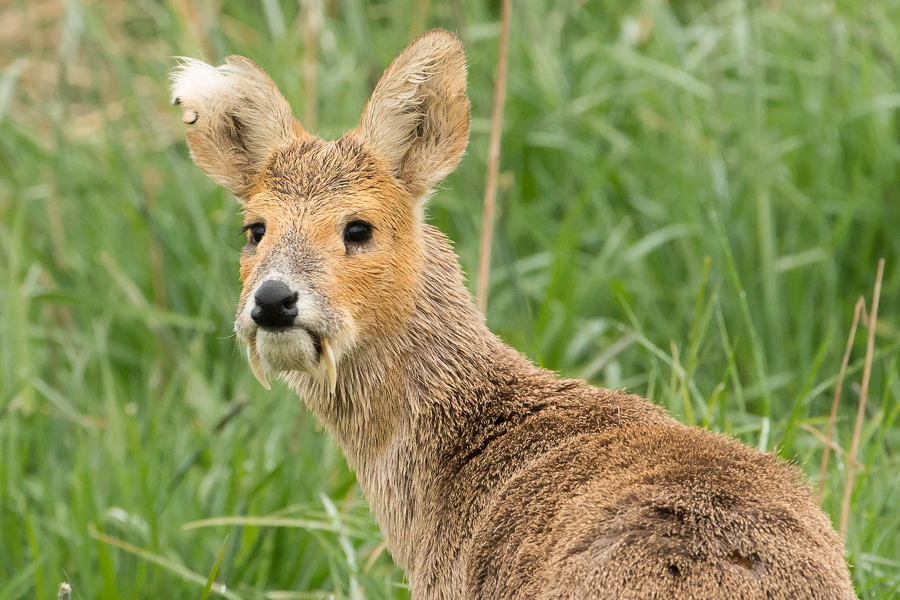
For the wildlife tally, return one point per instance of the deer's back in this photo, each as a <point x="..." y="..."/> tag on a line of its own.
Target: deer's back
<point x="655" y="511"/>
<point x="614" y="499"/>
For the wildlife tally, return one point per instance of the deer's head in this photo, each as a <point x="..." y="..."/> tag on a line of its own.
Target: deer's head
<point x="334" y="246"/>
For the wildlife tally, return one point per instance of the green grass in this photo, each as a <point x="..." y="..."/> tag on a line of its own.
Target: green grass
<point x="691" y="216"/>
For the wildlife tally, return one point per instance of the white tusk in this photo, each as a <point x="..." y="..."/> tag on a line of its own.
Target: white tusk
<point x="330" y="365"/>
<point x="257" y="369"/>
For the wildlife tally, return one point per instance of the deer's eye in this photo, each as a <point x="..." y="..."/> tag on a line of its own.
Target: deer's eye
<point x="357" y="232"/>
<point x="256" y="232"/>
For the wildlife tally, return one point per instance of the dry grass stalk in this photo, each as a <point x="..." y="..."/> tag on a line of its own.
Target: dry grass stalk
<point x="830" y="443"/>
<point x="420" y="15"/>
<point x="189" y="18"/>
<point x="829" y="434"/>
<point x="312" y="22"/>
<point x="863" y="396"/>
<point x="493" y="162"/>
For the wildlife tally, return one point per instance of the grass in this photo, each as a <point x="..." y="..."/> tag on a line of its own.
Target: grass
<point x="692" y="197"/>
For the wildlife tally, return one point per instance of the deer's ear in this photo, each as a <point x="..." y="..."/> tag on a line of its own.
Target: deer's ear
<point x="238" y="116"/>
<point x="418" y="117"/>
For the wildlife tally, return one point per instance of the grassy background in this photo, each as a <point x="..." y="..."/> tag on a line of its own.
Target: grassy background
<point x="641" y="140"/>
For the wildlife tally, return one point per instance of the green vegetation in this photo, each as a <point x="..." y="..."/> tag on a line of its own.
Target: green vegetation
<point x="641" y="140"/>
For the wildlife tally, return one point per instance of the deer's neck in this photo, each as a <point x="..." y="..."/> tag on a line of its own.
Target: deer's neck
<point x="400" y="405"/>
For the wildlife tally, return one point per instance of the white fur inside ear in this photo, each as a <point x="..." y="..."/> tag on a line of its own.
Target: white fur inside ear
<point x="194" y="85"/>
<point x="194" y="78"/>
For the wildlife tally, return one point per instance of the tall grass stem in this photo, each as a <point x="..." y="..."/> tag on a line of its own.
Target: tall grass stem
<point x="860" y="304"/>
<point x="312" y="22"/>
<point x="493" y="162"/>
<point x="863" y="396"/>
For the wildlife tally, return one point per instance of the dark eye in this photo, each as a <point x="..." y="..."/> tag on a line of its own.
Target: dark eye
<point x="257" y="231"/>
<point x="357" y="232"/>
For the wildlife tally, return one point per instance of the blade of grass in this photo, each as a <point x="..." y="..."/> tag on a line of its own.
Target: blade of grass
<point x="756" y="342"/>
<point x="274" y="522"/>
<point x="21" y="582"/>
<point x="347" y="547"/>
<point x="161" y="561"/>
<point x="215" y="569"/>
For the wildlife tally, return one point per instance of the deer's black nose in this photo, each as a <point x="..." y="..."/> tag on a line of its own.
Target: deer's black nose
<point x="276" y="305"/>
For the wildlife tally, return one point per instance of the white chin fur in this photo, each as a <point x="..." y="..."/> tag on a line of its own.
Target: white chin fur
<point x="281" y="351"/>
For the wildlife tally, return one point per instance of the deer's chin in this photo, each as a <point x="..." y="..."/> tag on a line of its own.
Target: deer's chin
<point x="293" y="349"/>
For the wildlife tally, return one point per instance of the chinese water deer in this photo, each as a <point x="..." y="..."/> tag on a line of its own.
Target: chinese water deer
<point x="489" y="477"/>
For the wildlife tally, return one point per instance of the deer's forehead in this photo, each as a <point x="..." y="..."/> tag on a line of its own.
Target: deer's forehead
<point x="313" y="180"/>
<point x="312" y="168"/>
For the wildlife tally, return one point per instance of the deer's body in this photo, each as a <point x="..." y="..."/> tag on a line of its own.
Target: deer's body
<point x="489" y="477"/>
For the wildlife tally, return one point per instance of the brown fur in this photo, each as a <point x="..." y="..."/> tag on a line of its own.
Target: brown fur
<point x="489" y="477"/>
